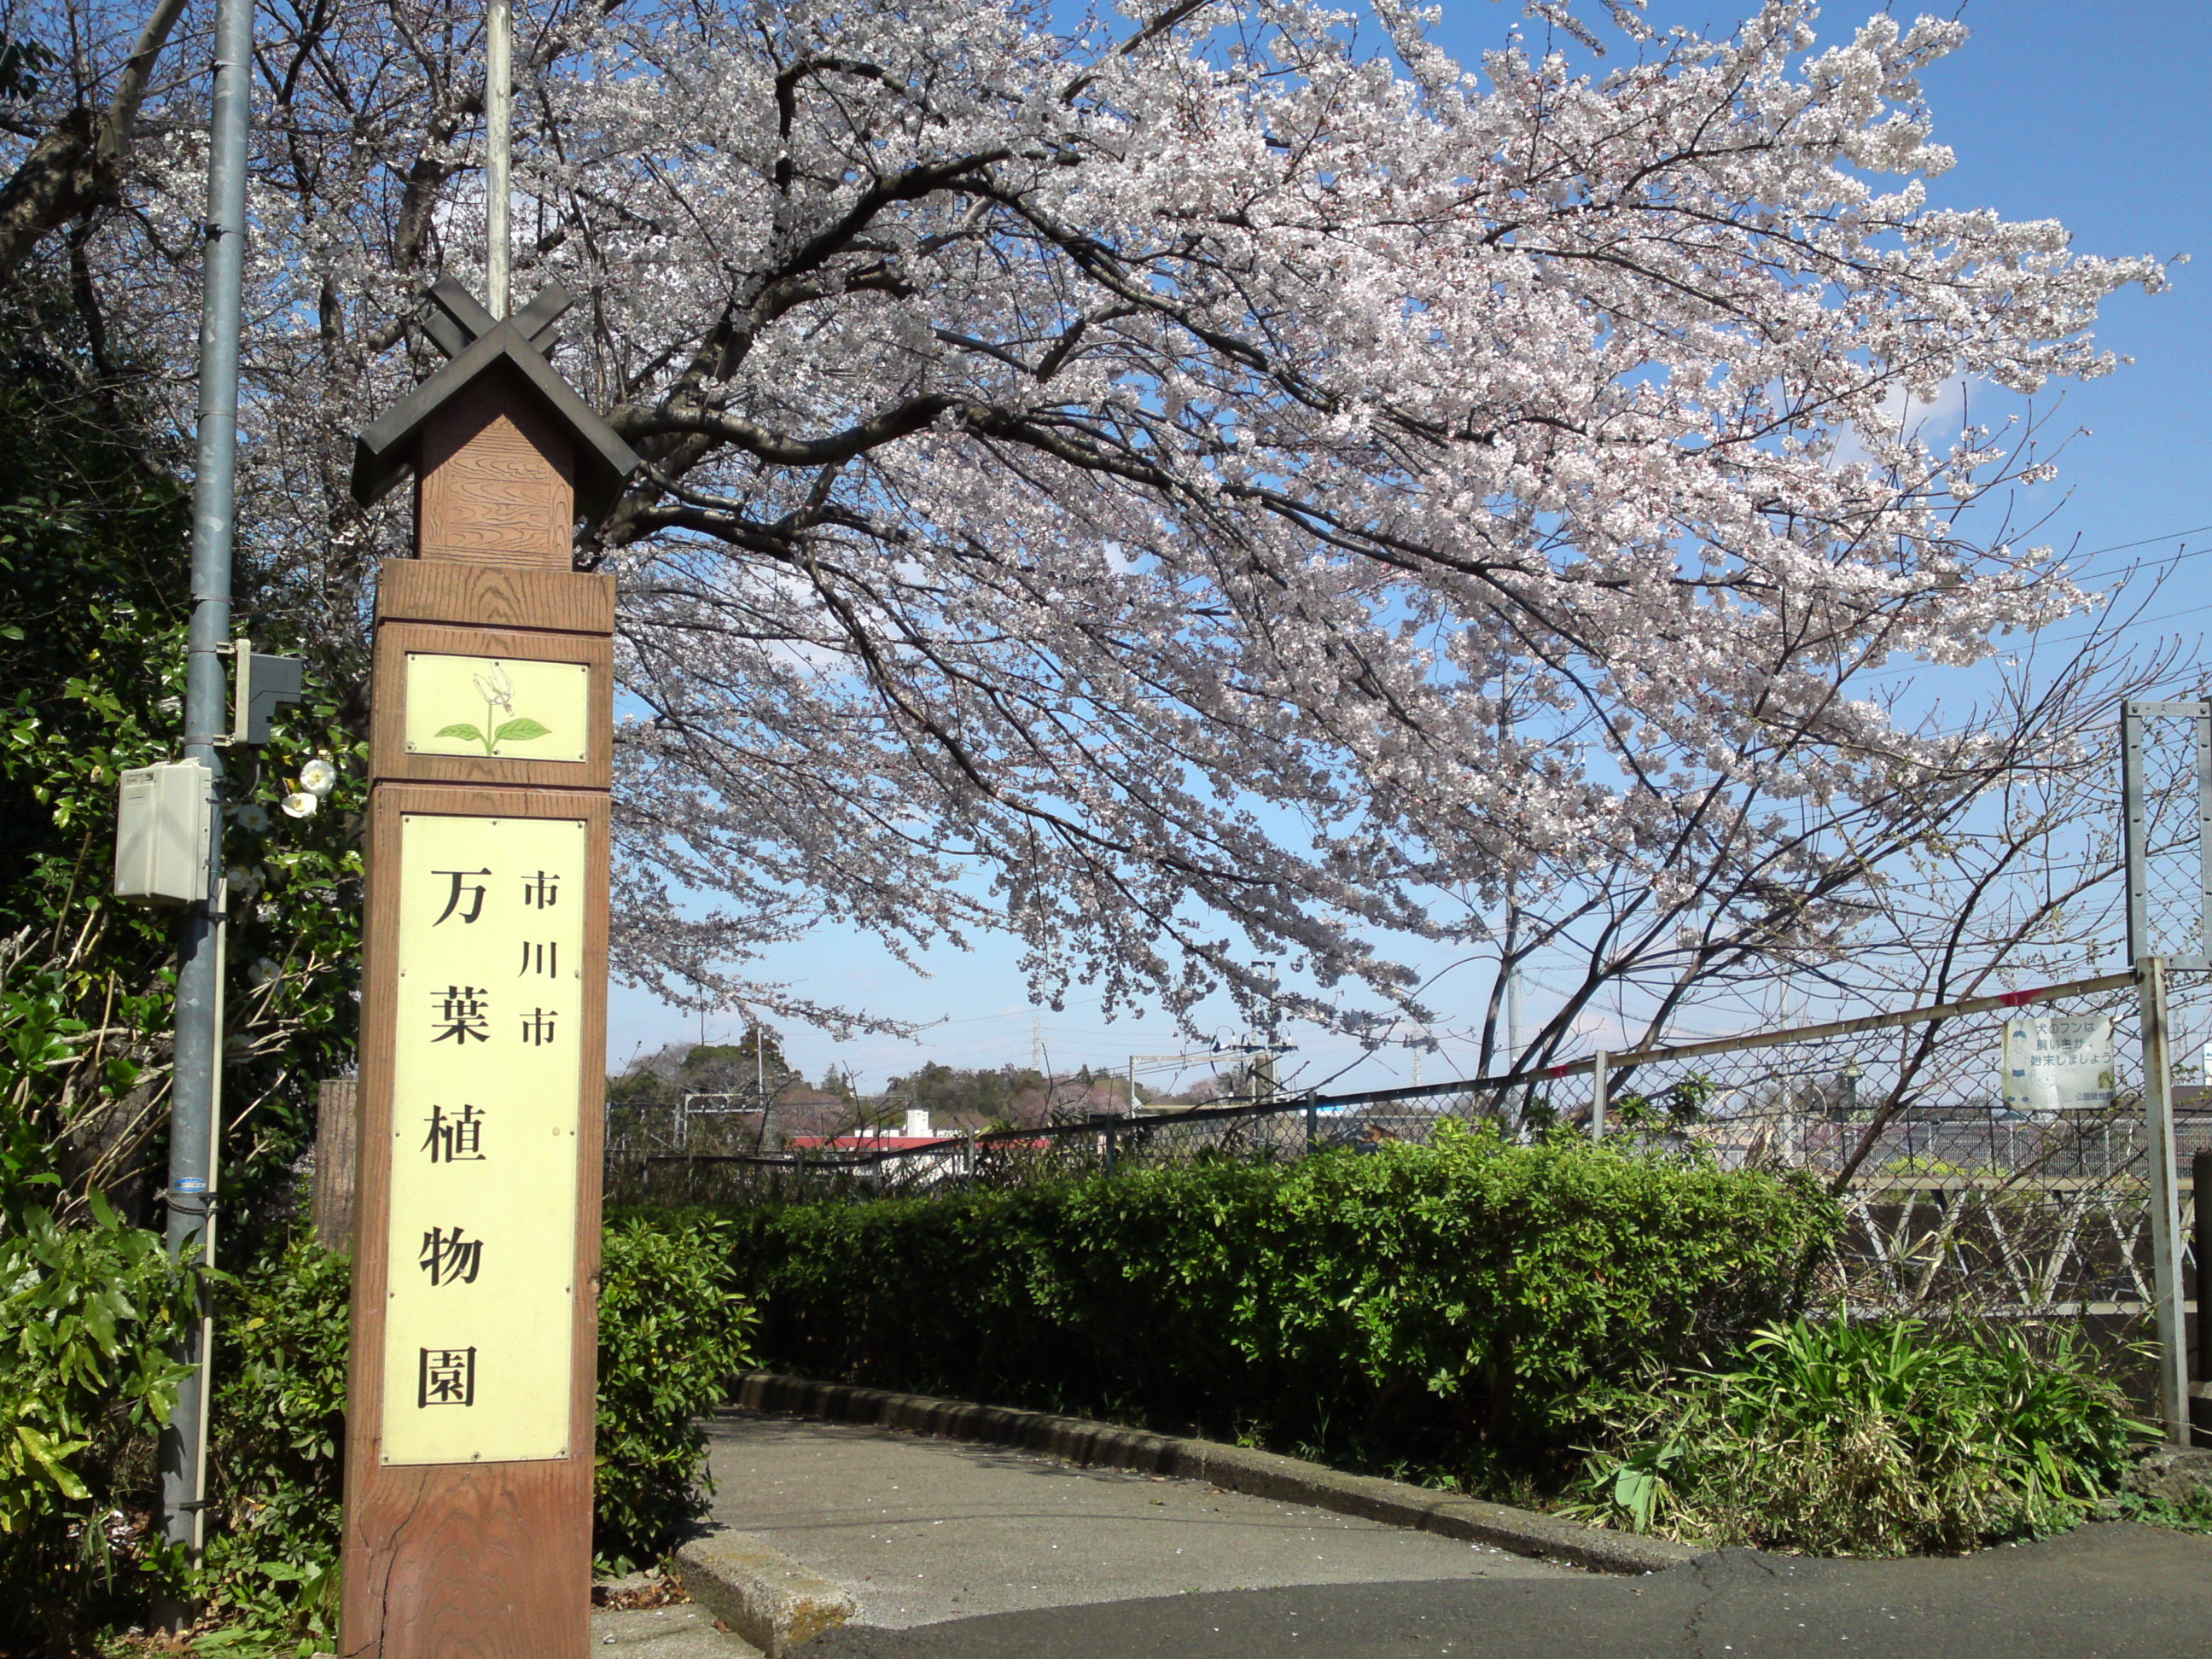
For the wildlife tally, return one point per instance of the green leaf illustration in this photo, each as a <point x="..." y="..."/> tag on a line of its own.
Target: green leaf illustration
<point x="520" y="728"/>
<point x="461" y="730"/>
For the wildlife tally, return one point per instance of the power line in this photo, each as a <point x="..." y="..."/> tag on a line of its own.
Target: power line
<point x="2027" y="641"/>
<point x="2122" y="547"/>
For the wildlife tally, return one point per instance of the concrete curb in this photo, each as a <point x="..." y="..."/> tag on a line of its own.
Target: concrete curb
<point x="1234" y="1469"/>
<point x="773" y="1601"/>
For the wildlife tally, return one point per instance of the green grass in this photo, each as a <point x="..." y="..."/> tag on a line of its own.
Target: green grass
<point x="1866" y="1439"/>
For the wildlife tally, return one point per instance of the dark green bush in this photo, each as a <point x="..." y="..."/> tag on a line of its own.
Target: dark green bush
<point x="673" y="1333"/>
<point x="83" y="1386"/>
<point x="1457" y="1308"/>
<point x="1867" y="1439"/>
<point x="278" y="1450"/>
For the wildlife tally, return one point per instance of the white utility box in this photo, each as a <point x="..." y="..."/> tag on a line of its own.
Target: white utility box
<point x="161" y="833"/>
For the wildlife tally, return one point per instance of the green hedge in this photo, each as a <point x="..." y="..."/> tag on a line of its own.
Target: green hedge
<point x="1461" y="1307"/>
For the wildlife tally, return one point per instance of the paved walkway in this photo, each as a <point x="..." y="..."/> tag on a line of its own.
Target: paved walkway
<point x="924" y="1530"/>
<point x="956" y="1551"/>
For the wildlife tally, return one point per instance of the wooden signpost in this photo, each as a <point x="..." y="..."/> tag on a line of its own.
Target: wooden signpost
<point x="469" y="1453"/>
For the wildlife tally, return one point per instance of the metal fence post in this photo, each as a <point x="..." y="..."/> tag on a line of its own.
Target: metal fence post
<point x="1313" y="1121"/>
<point x="2165" y="1215"/>
<point x="2200" y="1199"/>
<point x="1601" y="1078"/>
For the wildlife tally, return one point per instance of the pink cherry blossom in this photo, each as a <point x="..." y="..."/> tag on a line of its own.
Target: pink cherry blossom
<point x="1192" y="499"/>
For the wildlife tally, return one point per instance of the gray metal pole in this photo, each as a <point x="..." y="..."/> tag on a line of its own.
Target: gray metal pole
<point x="1601" y="1093"/>
<point x="2165" y="1217"/>
<point x="499" y="127"/>
<point x="194" y="1093"/>
<point x="2201" y="1199"/>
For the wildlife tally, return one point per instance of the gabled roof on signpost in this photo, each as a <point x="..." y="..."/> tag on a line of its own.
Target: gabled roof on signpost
<point x="479" y="344"/>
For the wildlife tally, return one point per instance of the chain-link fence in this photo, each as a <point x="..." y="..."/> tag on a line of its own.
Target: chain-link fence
<point x="650" y="1144"/>
<point x="2167" y="764"/>
<point x="1956" y="1204"/>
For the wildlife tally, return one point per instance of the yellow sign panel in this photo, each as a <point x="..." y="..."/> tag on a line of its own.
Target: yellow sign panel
<point x="505" y="707"/>
<point x="487" y="1089"/>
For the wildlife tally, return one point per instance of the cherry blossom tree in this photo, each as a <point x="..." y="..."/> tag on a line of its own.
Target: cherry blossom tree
<point x="1999" y="872"/>
<point x="1209" y="491"/>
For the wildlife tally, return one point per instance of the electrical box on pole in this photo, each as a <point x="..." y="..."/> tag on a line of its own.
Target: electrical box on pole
<point x="162" y="824"/>
<point x="164" y="812"/>
<point x="263" y="684"/>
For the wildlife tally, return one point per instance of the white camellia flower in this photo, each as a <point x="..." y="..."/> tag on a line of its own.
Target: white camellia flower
<point x="319" y="778"/>
<point x="251" y="817"/>
<point x="262" y="971"/>
<point x="300" y="804"/>
<point x="243" y="880"/>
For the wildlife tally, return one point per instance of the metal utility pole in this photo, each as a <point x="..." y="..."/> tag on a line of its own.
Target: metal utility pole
<point x="196" y="1092"/>
<point x="499" y="127"/>
<point x="1513" y="1016"/>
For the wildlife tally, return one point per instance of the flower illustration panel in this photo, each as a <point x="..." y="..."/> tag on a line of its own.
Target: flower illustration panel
<point x="501" y="708"/>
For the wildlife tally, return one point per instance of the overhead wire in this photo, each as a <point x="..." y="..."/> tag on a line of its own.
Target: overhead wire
<point x="2168" y="535"/>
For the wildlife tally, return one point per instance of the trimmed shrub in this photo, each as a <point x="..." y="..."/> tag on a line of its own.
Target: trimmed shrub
<point x="1867" y="1439"/>
<point x="673" y="1332"/>
<point x="1463" y="1308"/>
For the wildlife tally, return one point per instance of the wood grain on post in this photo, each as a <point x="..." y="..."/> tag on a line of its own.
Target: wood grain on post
<point x="489" y="1556"/>
<point x="496" y="480"/>
<point x="335" y="1145"/>
<point x="475" y="1559"/>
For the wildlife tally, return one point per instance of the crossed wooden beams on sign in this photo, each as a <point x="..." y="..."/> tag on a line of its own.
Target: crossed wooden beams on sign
<point x="452" y="320"/>
<point x="481" y="345"/>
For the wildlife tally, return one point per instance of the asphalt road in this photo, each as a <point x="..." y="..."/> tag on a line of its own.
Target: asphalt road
<point x="2104" y="1592"/>
<point x="924" y="1530"/>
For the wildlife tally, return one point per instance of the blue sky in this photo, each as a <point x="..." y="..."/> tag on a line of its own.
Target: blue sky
<point x="2090" y="113"/>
